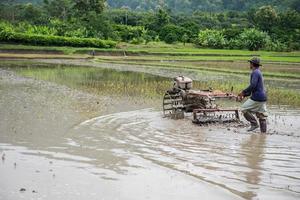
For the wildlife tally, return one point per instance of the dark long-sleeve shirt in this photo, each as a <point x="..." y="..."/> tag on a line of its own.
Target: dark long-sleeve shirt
<point x="256" y="88"/>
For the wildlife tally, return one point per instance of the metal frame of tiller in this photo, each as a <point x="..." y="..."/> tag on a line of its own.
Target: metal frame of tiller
<point x="182" y="99"/>
<point x="208" y="116"/>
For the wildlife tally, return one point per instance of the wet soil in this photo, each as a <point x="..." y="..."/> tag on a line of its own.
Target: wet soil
<point x="61" y="140"/>
<point x="26" y="51"/>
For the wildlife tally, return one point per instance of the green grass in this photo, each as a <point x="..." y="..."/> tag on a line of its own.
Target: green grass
<point x="132" y="84"/>
<point x="284" y="66"/>
<point x="111" y="82"/>
<point x="227" y="69"/>
<point x="190" y="49"/>
<point x="161" y="49"/>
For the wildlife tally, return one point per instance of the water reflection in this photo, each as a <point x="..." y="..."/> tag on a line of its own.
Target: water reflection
<point x="254" y="156"/>
<point x="254" y="153"/>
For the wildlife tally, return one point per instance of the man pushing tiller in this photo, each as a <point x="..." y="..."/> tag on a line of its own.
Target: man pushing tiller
<point x="256" y="104"/>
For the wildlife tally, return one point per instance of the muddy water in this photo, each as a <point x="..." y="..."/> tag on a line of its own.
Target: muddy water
<point x="195" y="75"/>
<point x="63" y="135"/>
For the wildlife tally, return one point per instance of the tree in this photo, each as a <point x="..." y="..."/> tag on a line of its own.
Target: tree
<point x="295" y="4"/>
<point x="61" y="9"/>
<point x="85" y="6"/>
<point x="266" y="18"/>
<point x="8" y="9"/>
<point x="30" y="13"/>
<point x="171" y="38"/>
<point x="171" y="32"/>
<point x="127" y="33"/>
<point x="191" y="29"/>
<point x="289" y="20"/>
<point x="97" y="26"/>
<point x="185" y="38"/>
<point x="160" y="19"/>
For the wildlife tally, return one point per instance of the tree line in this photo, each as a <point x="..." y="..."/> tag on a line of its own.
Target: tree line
<point x="265" y="27"/>
<point x="188" y="6"/>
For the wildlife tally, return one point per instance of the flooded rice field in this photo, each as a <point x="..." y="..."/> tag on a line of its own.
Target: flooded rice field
<point x="99" y="133"/>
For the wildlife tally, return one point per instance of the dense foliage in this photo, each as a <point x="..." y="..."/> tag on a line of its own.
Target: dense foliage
<point x="38" y="37"/>
<point x="203" y="5"/>
<point x="238" y="24"/>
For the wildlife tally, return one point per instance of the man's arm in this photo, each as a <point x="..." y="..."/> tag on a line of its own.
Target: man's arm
<point x="253" y="83"/>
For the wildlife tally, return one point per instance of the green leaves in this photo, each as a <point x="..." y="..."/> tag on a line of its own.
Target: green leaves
<point x="8" y="35"/>
<point x="171" y="33"/>
<point x="211" y="38"/>
<point x="253" y="39"/>
<point x="266" y="18"/>
<point x="85" y="6"/>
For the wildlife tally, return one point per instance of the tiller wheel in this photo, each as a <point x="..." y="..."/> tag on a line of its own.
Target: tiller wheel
<point x="173" y="105"/>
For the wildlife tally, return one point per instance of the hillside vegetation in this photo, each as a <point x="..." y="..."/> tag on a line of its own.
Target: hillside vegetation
<point x="188" y="6"/>
<point x="224" y="24"/>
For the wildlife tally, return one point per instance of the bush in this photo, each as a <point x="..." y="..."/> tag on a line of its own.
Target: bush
<point x="253" y="39"/>
<point x="235" y="44"/>
<point x="276" y="46"/>
<point x="171" y="33"/>
<point x="191" y="29"/>
<point x="33" y="29"/>
<point x="71" y="28"/>
<point x="128" y="33"/>
<point x="171" y="38"/>
<point x="184" y="38"/>
<point x="232" y="33"/>
<point x="9" y="36"/>
<point x="211" y="38"/>
<point x="5" y="29"/>
<point x="138" y="40"/>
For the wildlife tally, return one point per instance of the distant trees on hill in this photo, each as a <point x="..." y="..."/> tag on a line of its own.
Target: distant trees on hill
<point x="188" y="6"/>
<point x="266" y="26"/>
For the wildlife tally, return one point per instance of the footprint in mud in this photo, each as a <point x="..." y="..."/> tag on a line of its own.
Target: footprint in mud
<point x="22" y="190"/>
<point x="3" y="157"/>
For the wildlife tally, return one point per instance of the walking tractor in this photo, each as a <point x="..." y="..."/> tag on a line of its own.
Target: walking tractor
<point x="183" y="99"/>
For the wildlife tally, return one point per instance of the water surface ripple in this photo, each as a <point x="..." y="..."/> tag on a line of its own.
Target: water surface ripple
<point x="249" y="165"/>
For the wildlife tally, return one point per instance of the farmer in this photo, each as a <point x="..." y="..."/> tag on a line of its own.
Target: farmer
<point x="256" y="104"/>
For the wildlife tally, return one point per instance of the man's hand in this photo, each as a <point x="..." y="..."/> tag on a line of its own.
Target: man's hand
<point x="240" y="97"/>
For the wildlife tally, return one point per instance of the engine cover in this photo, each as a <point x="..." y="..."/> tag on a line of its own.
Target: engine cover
<point x="183" y="83"/>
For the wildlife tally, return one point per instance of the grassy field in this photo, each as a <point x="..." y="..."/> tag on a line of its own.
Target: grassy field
<point x="283" y="66"/>
<point x="108" y="81"/>
<point x="282" y="70"/>
<point x="191" y="49"/>
<point x="275" y="64"/>
<point x="166" y="49"/>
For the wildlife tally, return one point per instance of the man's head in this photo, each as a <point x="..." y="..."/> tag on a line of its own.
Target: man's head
<point x="254" y="63"/>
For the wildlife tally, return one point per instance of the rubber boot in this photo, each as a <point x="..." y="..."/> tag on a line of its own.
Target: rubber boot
<point x="263" y="125"/>
<point x="250" y="118"/>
